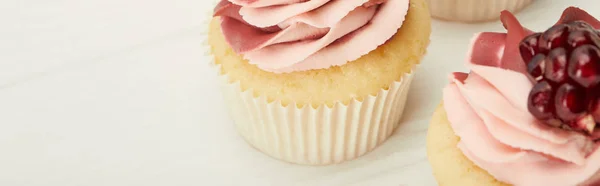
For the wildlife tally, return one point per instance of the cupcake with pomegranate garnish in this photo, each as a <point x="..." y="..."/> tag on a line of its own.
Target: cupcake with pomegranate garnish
<point x="474" y="10"/>
<point x="527" y="113"/>
<point x="320" y="81"/>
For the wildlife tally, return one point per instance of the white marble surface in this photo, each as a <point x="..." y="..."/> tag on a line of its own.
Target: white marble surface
<point x="112" y="92"/>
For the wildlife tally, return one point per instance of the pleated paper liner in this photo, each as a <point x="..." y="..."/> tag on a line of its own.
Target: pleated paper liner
<point x="313" y="136"/>
<point x="474" y="10"/>
<point x="316" y="136"/>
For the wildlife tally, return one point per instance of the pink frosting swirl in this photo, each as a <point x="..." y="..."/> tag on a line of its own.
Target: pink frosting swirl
<point x="296" y="35"/>
<point x="487" y="109"/>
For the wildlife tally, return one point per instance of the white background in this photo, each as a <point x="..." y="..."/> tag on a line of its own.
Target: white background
<point x="117" y="92"/>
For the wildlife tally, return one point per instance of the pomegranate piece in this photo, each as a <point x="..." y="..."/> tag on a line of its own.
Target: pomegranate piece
<point x="570" y="102"/>
<point x="541" y="102"/>
<point x="556" y="66"/>
<point x="565" y="63"/>
<point x="584" y="65"/>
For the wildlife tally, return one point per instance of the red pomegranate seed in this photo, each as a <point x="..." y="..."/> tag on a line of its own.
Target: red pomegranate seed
<point x="553" y="38"/>
<point x="536" y="66"/>
<point x="584" y="65"/>
<point x="580" y="25"/>
<point x="541" y="104"/>
<point x="570" y="102"/>
<point x="529" y="47"/>
<point x="556" y="66"/>
<point x="582" y="37"/>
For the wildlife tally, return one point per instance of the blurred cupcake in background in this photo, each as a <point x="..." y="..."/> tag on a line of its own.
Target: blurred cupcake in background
<point x="528" y="111"/>
<point x="474" y="10"/>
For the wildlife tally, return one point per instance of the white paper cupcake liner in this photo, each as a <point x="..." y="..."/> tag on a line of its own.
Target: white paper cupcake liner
<point x="316" y="136"/>
<point x="473" y="10"/>
<point x="313" y="136"/>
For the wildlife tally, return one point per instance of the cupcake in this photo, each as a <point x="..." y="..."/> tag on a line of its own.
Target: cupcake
<point x="317" y="82"/>
<point x="473" y="10"/>
<point x="527" y="113"/>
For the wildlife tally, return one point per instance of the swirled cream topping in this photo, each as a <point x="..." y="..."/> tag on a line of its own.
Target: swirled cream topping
<point x="296" y="35"/>
<point x="487" y="109"/>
